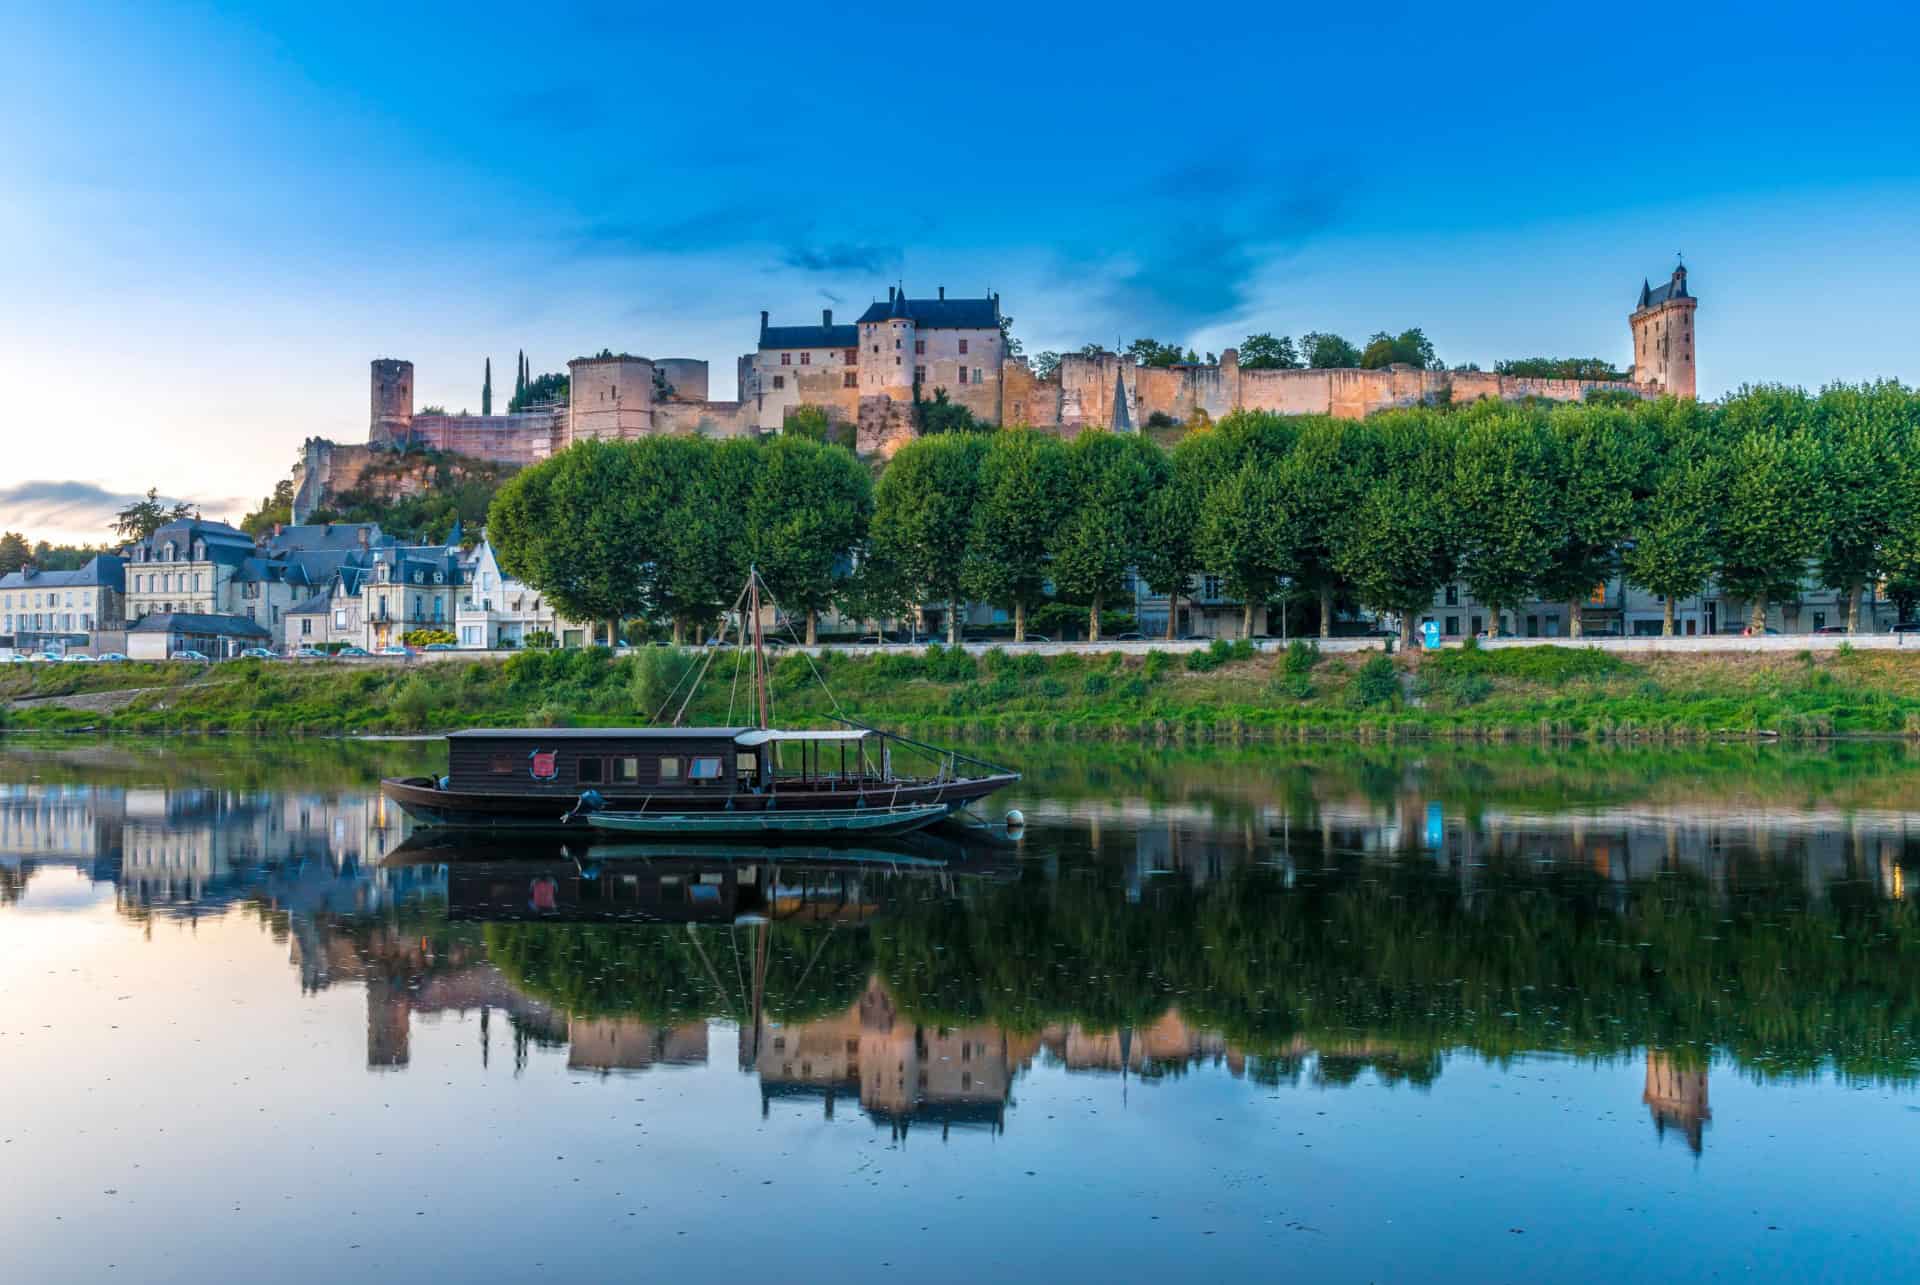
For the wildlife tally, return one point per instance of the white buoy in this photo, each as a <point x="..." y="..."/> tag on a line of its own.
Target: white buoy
<point x="1014" y="820"/>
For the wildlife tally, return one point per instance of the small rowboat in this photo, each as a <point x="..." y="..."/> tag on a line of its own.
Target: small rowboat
<point x="797" y="822"/>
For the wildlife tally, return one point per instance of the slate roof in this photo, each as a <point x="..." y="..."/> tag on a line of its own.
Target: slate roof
<point x="104" y="569"/>
<point x="224" y="543"/>
<point x="1654" y="296"/>
<point x="318" y="605"/>
<point x="810" y="336"/>
<point x="192" y="622"/>
<point x="337" y="537"/>
<point x="938" y="314"/>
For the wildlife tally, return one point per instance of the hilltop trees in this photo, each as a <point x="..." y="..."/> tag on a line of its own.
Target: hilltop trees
<point x="1264" y="352"/>
<point x="15" y="552"/>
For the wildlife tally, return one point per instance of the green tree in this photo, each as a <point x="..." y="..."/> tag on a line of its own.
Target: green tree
<point x="1170" y="555"/>
<point x="1023" y="475"/>
<point x="486" y="389"/>
<point x="1507" y="506"/>
<point x="1411" y="347"/>
<point x="1396" y="544"/>
<point x="545" y="388"/>
<point x="1102" y="531"/>
<point x="1559" y="368"/>
<point x="1320" y="480"/>
<point x="274" y="509"/>
<point x="1151" y="352"/>
<point x="1673" y="549"/>
<point x="15" y="552"/>
<point x="922" y="517"/>
<point x="146" y="515"/>
<point x="808" y="421"/>
<point x="806" y="521"/>
<point x="1327" y="351"/>
<point x="1869" y="435"/>
<point x="1243" y="535"/>
<point x="1045" y="364"/>
<point x="568" y="527"/>
<point x="941" y="415"/>
<point x="1603" y="460"/>
<point x="1772" y="521"/>
<point x="1264" y="352"/>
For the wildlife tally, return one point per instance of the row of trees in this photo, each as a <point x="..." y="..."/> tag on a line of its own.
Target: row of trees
<point x="1521" y="502"/>
<point x="665" y="528"/>
<point x="1315" y="350"/>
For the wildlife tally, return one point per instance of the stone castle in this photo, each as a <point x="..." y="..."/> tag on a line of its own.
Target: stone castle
<point x="867" y="374"/>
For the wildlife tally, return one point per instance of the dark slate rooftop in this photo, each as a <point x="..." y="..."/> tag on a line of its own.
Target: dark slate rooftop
<point x="318" y="605"/>
<point x="190" y="622"/>
<point x="340" y="537"/>
<point x="104" y="569"/>
<point x="810" y="337"/>
<point x="937" y="314"/>
<point x="1653" y="296"/>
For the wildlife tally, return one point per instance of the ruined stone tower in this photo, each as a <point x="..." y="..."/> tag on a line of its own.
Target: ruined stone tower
<point x="1663" y="336"/>
<point x="392" y="423"/>
<point x="611" y="397"/>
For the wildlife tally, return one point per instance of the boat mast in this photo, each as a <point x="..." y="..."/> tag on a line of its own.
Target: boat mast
<point x="759" y="646"/>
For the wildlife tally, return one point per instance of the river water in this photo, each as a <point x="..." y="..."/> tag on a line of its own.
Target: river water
<point x="1327" y="1014"/>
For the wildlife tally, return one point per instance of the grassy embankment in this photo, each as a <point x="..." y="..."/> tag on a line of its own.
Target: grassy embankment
<point x="1223" y="694"/>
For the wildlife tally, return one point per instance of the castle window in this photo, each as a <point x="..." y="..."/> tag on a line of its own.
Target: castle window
<point x="920" y="347"/>
<point x="976" y="374"/>
<point x="963" y="347"/>
<point x="806" y="359"/>
<point x="876" y="347"/>
<point x="779" y="382"/>
<point x="919" y="374"/>
<point x="853" y="356"/>
<point x="963" y="374"/>
<point x="849" y="380"/>
<point x="896" y="344"/>
<point x="896" y="361"/>
<point x="786" y="359"/>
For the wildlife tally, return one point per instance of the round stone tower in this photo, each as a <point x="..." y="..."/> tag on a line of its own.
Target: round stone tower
<point x="609" y="396"/>
<point x="392" y="423"/>
<point x="1662" y="324"/>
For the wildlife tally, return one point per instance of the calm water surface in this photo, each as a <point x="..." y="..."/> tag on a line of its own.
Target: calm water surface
<point x="1323" y="1014"/>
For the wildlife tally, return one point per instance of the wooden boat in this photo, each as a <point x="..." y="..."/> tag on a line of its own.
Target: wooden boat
<point x="700" y="781"/>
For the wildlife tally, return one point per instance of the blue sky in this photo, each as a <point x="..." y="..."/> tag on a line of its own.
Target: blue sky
<point x="212" y="216"/>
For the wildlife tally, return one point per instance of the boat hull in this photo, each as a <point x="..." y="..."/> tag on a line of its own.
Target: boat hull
<point x="778" y="823"/>
<point x="422" y="799"/>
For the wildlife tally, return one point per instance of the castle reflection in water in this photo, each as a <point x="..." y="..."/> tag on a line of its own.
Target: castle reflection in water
<point x="313" y="865"/>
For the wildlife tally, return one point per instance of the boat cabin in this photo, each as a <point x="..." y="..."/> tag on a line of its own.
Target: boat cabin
<point x="654" y="760"/>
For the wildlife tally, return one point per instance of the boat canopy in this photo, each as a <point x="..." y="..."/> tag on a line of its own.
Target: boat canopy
<point x="765" y="735"/>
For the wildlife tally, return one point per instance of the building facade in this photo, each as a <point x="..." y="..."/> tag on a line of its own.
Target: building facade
<point x="64" y="611"/>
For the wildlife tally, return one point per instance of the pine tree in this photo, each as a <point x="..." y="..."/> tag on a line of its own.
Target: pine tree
<point x="486" y="390"/>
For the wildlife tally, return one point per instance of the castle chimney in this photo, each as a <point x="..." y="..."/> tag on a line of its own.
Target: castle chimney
<point x="366" y="536"/>
<point x="763" y="319"/>
<point x="889" y="294"/>
<point x="943" y="292"/>
<point x="826" y="316"/>
<point x="277" y="529"/>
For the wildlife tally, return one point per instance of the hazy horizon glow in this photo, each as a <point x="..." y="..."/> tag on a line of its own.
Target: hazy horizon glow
<point x="212" y="217"/>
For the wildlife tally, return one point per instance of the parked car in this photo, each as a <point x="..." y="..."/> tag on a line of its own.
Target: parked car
<point x="1751" y="632"/>
<point x="113" y="658"/>
<point x="189" y="654"/>
<point x="77" y="659"/>
<point x="353" y="651"/>
<point x="1194" y="638"/>
<point x="306" y="653"/>
<point x="440" y="647"/>
<point x="1037" y="638"/>
<point x="1907" y="627"/>
<point x="1831" y="629"/>
<point x="873" y="640"/>
<point x="1132" y="635"/>
<point x="394" y="649"/>
<point x="256" y="653"/>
